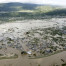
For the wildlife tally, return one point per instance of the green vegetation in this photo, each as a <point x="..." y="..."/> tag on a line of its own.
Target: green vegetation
<point x="42" y="56"/>
<point x="20" y="11"/>
<point x="23" y="52"/>
<point x="64" y="64"/>
<point x="45" y="9"/>
<point x="8" y="57"/>
<point x="39" y="65"/>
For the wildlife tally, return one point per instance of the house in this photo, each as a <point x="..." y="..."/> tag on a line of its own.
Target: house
<point x="29" y="52"/>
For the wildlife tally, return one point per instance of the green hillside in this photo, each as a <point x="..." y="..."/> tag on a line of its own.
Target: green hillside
<point x="29" y="11"/>
<point x="8" y="7"/>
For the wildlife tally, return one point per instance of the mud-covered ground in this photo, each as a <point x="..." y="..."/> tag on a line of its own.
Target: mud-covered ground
<point x="15" y="31"/>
